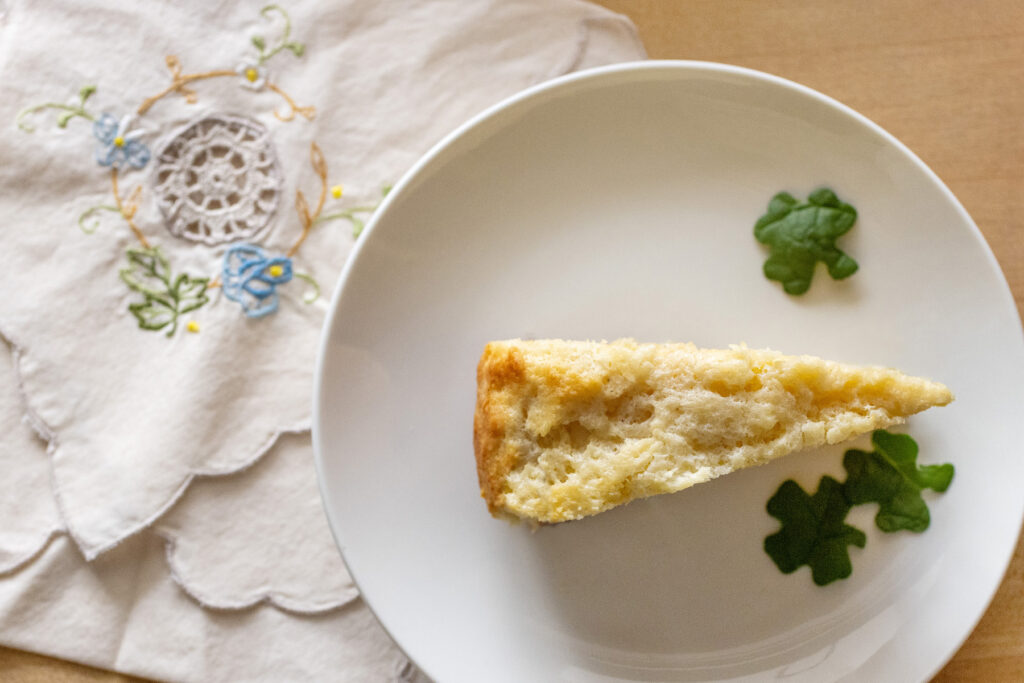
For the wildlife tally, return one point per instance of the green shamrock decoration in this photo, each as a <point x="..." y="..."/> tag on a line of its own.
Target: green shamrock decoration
<point x="801" y="234"/>
<point x="813" y="531"/>
<point x="891" y="477"/>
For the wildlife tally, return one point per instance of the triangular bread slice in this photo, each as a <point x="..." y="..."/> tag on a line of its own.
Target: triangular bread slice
<point x="566" y="429"/>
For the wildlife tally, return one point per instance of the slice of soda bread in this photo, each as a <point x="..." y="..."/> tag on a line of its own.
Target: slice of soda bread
<point x="566" y="429"/>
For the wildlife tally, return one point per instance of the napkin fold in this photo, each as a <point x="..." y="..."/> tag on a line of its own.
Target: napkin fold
<point x="123" y="612"/>
<point x="28" y="513"/>
<point x="258" y="537"/>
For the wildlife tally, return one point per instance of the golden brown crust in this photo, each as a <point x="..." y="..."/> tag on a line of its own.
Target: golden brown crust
<point x="500" y="368"/>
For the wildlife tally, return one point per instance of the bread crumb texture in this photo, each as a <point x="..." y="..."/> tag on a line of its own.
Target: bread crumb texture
<point x="566" y="429"/>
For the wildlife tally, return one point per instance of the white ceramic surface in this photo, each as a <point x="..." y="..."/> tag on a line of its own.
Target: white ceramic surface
<point x="620" y="202"/>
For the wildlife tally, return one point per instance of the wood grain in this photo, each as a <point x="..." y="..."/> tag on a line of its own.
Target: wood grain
<point x="943" y="76"/>
<point x="24" y="667"/>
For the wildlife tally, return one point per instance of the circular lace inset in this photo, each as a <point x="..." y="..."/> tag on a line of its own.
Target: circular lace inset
<point x="217" y="180"/>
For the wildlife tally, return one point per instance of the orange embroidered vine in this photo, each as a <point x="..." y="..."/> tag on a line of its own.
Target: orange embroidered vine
<point x="179" y="82"/>
<point x="251" y="72"/>
<point x="127" y="207"/>
<point x="308" y="113"/>
<point x="316" y="158"/>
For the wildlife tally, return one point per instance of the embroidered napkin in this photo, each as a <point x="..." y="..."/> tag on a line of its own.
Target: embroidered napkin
<point x="182" y="183"/>
<point x="189" y="180"/>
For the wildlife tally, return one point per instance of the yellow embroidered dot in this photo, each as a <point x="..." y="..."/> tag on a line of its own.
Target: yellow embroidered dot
<point x="119" y="141"/>
<point x="275" y="270"/>
<point x="192" y="326"/>
<point x="252" y="75"/>
<point x="337" y="191"/>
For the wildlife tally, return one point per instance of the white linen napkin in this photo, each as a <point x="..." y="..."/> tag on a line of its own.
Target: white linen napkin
<point x="180" y="182"/>
<point x="123" y="612"/>
<point x="258" y="537"/>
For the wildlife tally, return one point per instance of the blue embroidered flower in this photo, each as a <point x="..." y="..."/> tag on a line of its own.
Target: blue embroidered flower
<point x="119" y="146"/>
<point x="251" y="278"/>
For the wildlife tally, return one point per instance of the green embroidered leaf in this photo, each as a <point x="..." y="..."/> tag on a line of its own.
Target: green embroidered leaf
<point x="153" y="314"/>
<point x="314" y="288"/>
<point x="282" y="43"/>
<point x="190" y="293"/>
<point x="67" y="111"/>
<point x="813" y="531"/>
<point x="801" y="234"/>
<point x="89" y="222"/>
<point x="151" y="260"/>
<point x="149" y="273"/>
<point x="357" y="226"/>
<point x="352" y="215"/>
<point x="891" y="477"/>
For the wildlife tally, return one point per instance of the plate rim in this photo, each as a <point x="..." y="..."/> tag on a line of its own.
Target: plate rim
<point x="598" y="73"/>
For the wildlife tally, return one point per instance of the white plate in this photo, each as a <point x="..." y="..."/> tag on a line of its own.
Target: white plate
<point x="620" y="202"/>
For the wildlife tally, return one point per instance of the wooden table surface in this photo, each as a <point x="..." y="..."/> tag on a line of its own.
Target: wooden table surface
<point x="943" y="76"/>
